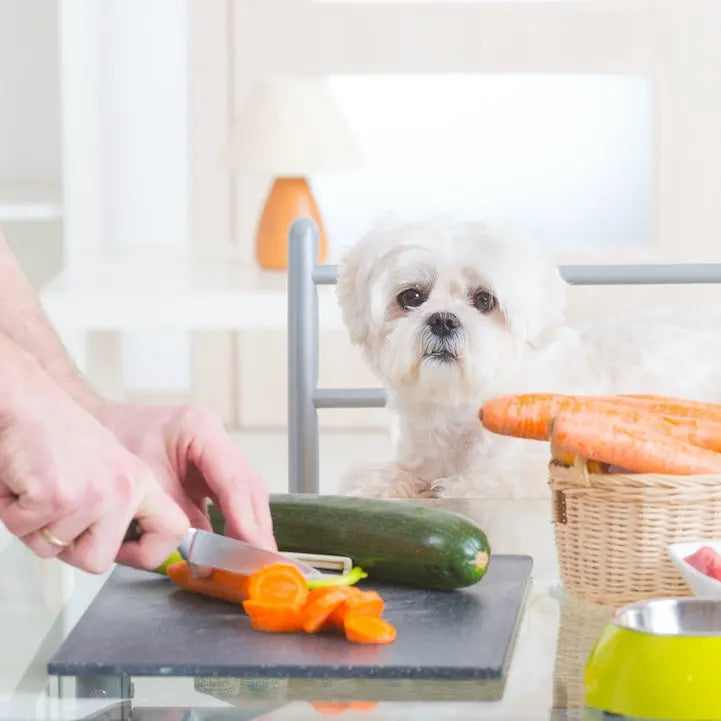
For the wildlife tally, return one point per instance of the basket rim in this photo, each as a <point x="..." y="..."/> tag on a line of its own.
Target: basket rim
<point x="573" y="476"/>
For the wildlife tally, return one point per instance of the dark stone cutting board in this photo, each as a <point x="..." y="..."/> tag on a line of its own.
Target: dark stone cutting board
<point x="140" y="624"/>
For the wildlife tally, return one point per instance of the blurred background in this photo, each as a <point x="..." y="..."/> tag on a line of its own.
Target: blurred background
<point x="139" y="141"/>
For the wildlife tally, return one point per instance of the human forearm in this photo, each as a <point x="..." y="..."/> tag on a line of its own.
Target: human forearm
<point x="68" y="487"/>
<point x="23" y="321"/>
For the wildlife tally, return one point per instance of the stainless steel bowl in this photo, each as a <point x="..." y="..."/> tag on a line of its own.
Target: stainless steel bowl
<point x="659" y="659"/>
<point x="673" y="617"/>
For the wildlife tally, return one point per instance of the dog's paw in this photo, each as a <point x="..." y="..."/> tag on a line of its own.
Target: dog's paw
<point x="385" y="481"/>
<point x="445" y="487"/>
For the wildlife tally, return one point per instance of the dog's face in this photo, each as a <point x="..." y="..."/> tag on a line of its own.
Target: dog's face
<point x="444" y="312"/>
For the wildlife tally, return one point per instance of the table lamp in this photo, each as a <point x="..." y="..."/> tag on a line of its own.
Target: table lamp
<point x="289" y="128"/>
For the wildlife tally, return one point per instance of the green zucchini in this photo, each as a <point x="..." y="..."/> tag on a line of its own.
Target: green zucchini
<point x="393" y="541"/>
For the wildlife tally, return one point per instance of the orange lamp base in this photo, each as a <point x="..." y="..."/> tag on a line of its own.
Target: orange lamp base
<point x="288" y="200"/>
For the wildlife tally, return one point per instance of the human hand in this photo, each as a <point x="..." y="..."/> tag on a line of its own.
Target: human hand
<point x="69" y="489"/>
<point x="193" y="458"/>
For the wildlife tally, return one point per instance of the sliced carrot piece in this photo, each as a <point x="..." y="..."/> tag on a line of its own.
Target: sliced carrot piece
<point x="274" y="617"/>
<point x="368" y="629"/>
<point x="227" y="586"/>
<point x="279" y="582"/>
<point x="364" y="603"/>
<point x="637" y="447"/>
<point x="321" y="603"/>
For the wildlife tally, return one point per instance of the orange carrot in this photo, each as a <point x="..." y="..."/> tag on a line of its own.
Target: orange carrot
<point x="369" y="629"/>
<point x="279" y="582"/>
<point x="527" y="415"/>
<point x="231" y="587"/>
<point x="282" y="583"/>
<point x="671" y="406"/>
<point x="364" y="603"/>
<point x="274" y="617"/>
<point x="321" y="603"/>
<point x="639" y="446"/>
<point x="696" y="431"/>
<point x="334" y="708"/>
<point x="704" y="433"/>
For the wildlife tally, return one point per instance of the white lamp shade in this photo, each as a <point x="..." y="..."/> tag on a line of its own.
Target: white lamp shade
<point x="291" y="127"/>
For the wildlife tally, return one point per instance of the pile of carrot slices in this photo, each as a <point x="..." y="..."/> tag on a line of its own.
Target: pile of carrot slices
<point x="629" y="433"/>
<point x="277" y="600"/>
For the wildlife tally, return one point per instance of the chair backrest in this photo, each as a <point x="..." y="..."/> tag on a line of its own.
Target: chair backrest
<point x="304" y="396"/>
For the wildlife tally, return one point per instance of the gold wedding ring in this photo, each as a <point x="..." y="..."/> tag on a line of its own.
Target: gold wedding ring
<point x="52" y="539"/>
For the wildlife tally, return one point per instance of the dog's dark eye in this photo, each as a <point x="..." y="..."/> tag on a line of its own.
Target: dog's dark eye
<point x="411" y="298"/>
<point x="484" y="301"/>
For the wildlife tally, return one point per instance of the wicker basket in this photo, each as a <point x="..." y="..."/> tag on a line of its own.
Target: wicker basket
<point x="580" y="625"/>
<point x="613" y="530"/>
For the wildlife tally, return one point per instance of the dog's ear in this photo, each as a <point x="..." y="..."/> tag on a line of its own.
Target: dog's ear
<point x="352" y="291"/>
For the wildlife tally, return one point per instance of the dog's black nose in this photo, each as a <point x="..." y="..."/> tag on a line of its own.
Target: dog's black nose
<point x="443" y="324"/>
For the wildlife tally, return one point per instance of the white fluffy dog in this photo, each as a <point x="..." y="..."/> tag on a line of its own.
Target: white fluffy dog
<point x="449" y="316"/>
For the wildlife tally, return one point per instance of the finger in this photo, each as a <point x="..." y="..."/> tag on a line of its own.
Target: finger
<point x="192" y="505"/>
<point x="163" y="525"/>
<point x="242" y="497"/>
<point x="23" y="517"/>
<point x="56" y="537"/>
<point x="261" y="509"/>
<point x="95" y="549"/>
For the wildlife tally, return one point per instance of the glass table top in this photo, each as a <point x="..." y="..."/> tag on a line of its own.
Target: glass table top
<point x="41" y="601"/>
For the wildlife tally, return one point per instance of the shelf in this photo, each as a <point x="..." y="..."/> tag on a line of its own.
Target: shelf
<point x="153" y="289"/>
<point x="28" y="201"/>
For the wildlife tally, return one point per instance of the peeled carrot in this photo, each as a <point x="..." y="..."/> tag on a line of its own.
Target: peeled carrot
<point x="279" y="582"/>
<point x="230" y="587"/>
<point x="321" y="603"/>
<point x="274" y="617"/>
<point x="369" y="629"/>
<point x="364" y="603"/>
<point x="639" y="446"/>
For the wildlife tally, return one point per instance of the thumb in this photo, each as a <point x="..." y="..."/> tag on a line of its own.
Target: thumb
<point x="163" y="526"/>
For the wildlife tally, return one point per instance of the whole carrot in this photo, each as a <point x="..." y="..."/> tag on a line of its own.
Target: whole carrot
<point x="230" y="587"/>
<point x="625" y="444"/>
<point x="527" y="415"/>
<point x="670" y="406"/>
<point x="278" y="582"/>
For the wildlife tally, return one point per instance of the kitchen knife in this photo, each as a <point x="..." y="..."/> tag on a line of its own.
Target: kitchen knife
<point x="205" y="550"/>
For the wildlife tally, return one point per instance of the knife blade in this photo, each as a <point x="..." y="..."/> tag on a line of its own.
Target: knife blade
<point x="205" y="551"/>
<point x="211" y="550"/>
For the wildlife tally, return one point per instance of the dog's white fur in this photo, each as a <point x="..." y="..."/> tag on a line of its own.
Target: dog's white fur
<point x="523" y="345"/>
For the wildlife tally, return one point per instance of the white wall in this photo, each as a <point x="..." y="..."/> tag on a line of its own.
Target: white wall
<point x="674" y="46"/>
<point x="29" y="93"/>
<point x="125" y="112"/>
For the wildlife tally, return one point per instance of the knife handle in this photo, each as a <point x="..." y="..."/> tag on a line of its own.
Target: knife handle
<point x="134" y="532"/>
